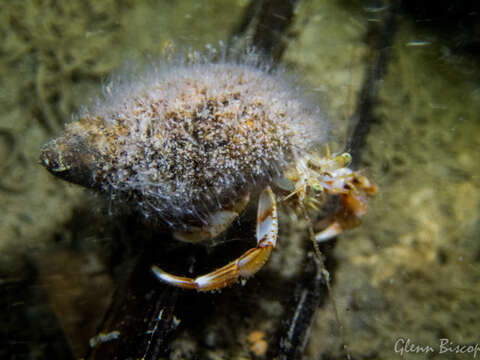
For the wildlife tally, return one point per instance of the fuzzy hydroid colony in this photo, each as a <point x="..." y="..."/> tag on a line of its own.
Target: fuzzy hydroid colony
<point x="185" y="140"/>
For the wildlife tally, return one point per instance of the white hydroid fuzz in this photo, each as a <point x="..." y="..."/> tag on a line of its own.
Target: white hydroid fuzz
<point x="187" y="139"/>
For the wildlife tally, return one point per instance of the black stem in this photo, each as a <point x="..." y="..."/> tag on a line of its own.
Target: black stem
<point x="363" y="117"/>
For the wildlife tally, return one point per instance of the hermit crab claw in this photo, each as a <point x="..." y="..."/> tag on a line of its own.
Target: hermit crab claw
<point x="353" y="199"/>
<point x="244" y="266"/>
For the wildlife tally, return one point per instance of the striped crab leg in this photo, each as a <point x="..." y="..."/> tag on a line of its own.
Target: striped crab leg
<point x="244" y="266"/>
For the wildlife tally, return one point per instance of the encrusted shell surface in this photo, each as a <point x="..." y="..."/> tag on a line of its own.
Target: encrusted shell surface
<point x="184" y="140"/>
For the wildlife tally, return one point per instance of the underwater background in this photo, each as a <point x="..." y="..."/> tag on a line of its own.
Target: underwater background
<point x="408" y="275"/>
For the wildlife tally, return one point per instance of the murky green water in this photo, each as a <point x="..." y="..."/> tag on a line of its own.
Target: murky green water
<point x="410" y="271"/>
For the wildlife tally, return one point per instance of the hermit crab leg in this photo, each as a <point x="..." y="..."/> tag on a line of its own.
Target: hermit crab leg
<point x="217" y="223"/>
<point x="244" y="266"/>
<point x="329" y="232"/>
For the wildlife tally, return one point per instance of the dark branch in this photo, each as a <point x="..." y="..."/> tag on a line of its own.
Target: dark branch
<point x="381" y="39"/>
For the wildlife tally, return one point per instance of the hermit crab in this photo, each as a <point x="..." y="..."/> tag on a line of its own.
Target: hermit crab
<point x="188" y="143"/>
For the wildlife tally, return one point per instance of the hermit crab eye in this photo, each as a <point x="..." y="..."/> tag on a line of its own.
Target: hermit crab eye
<point x="316" y="186"/>
<point x="346" y="159"/>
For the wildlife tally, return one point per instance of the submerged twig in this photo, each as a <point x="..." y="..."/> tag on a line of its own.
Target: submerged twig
<point x="140" y="319"/>
<point x="309" y="296"/>
<point x="268" y="20"/>
<point x="382" y="38"/>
